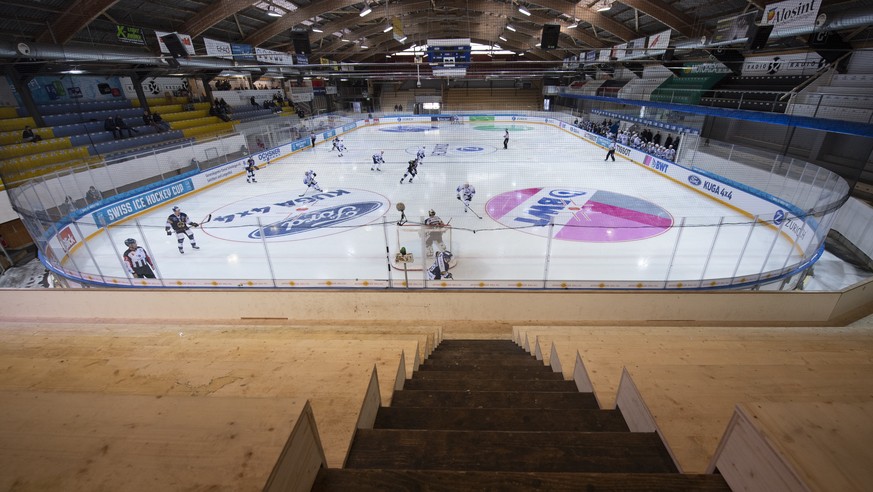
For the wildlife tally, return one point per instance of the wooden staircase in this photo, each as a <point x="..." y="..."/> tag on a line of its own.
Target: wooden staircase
<point x="485" y="415"/>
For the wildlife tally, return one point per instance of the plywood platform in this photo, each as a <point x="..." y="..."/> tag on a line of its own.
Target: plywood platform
<point x="184" y="383"/>
<point x="691" y="378"/>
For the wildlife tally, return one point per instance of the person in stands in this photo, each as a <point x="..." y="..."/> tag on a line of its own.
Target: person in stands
<point x="109" y="126"/>
<point x="122" y="126"/>
<point x="29" y="136"/>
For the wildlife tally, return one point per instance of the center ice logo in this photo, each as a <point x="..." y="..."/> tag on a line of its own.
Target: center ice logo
<point x="585" y="215"/>
<point x="285" y="216"/>
<point x="316" y="219"/>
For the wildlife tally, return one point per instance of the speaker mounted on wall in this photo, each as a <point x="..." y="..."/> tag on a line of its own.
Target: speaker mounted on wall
<point x="757" y="36"/>
<point x="175" y="45"/>
<point x="300" y="39"/>
<point x="549" y="39"/>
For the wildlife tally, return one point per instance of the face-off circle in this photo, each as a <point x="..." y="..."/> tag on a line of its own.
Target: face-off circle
<point x="285" y="216"/>
<point x="585" y="215"/>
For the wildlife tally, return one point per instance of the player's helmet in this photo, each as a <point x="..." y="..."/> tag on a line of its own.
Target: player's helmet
<point x="447" y="255"/>
<point x="176" y="209"/>
<point x="431" y="213"/>
<point x="129" y="241"/>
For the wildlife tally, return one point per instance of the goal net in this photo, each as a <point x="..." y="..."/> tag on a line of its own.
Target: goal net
<point x="415" y="238"/>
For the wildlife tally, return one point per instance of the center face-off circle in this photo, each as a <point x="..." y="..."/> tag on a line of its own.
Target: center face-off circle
<point x="286" y="216"/>
<point x="585" y="215"/>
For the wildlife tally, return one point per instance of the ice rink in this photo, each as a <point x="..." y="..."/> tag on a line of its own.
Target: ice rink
<point x="612" y="221"/>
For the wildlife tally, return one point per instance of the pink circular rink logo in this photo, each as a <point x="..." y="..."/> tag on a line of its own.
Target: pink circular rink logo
<point x="579" y="214"/>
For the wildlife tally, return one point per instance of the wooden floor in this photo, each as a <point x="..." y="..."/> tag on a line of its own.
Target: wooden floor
<point x="692" y="378"/>
<point x="139" y="406"/>
<point x="143" y="407"/>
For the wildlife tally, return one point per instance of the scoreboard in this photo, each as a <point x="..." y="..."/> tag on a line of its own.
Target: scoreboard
<point x="448" y="57"/>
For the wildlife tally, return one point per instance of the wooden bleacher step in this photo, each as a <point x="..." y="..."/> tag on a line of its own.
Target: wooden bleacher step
<point x="506" y="419"/>
<point x="481" y="365"/>
<point x="441" y="480"/>
<point x="489" y="384"/>
<point x="610" y="452"/>
<point x="485" y="415"/>
<point x="493" y="399"/>
<point x="539" y="375"/>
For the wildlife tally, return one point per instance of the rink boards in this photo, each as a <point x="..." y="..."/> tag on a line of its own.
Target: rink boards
<point x="767" y="211"/>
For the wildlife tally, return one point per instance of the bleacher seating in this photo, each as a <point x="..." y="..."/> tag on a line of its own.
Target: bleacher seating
<point x="610" y="88"/>
<point x="467" y="99"/>
<point x="686" y="89"/>
<point x="838" y="96"/>
<point x="754" y="93"/>
<point x="640" y="89"/>
<point x="75" y="131"/>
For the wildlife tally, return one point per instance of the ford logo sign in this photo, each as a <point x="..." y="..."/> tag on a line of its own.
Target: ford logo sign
<point x="316" y="219"/>
<point x="694" y="180"/>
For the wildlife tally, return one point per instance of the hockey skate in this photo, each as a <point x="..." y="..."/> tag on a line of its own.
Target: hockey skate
<point x="194" y="246"/>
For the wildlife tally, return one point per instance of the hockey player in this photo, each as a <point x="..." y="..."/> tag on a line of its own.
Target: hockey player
<point x="250" y="170"/>
<point x="610" y="151"/>
<point x="378" y="160"/>
<point x="309" y="180"/>
<point x="419" y="155"/>
<point x="440" y="268"/>
<point x="411" y="170"/>
<point x="339" y="146"/>
<point x="178" y="222"/>
<point x="137" y="261"/>
<point x="506" y="139"/>
<point x="433" y="225"/>
<point x="465" y="194"/>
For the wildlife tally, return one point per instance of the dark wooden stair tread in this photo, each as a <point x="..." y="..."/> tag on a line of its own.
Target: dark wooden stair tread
<point x="610" y="452"/>
<point x="493" y="399"/>
<point x="500" y="362"/>
<point x="505" y="419"/>
<point x="489" y="385"/>
<point x="544" y="375"/>
<point x="332" y="479"/>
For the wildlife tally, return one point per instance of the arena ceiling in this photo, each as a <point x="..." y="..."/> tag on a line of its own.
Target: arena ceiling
<point x="347" y="36"/>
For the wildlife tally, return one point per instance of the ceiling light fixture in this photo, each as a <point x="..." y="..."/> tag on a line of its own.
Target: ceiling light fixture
<point x="574" y="25"/>
<point x="523" y="10"/>
<point x="364" y="47"/>
<point x="73" y="71"/>
<point x="388" y="29"/>
<point x="273" y="12"/>
<point x="501" y="38"/>
<point x="509" y="26"/>
<point x="315" y="29"/>
<point x="367" y="10"/>
<point x="603" y="5"/>
<point x="403" y="39"/>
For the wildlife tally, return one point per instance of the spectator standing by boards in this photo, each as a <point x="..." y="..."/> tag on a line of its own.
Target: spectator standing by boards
<point x="506" y="139"/>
